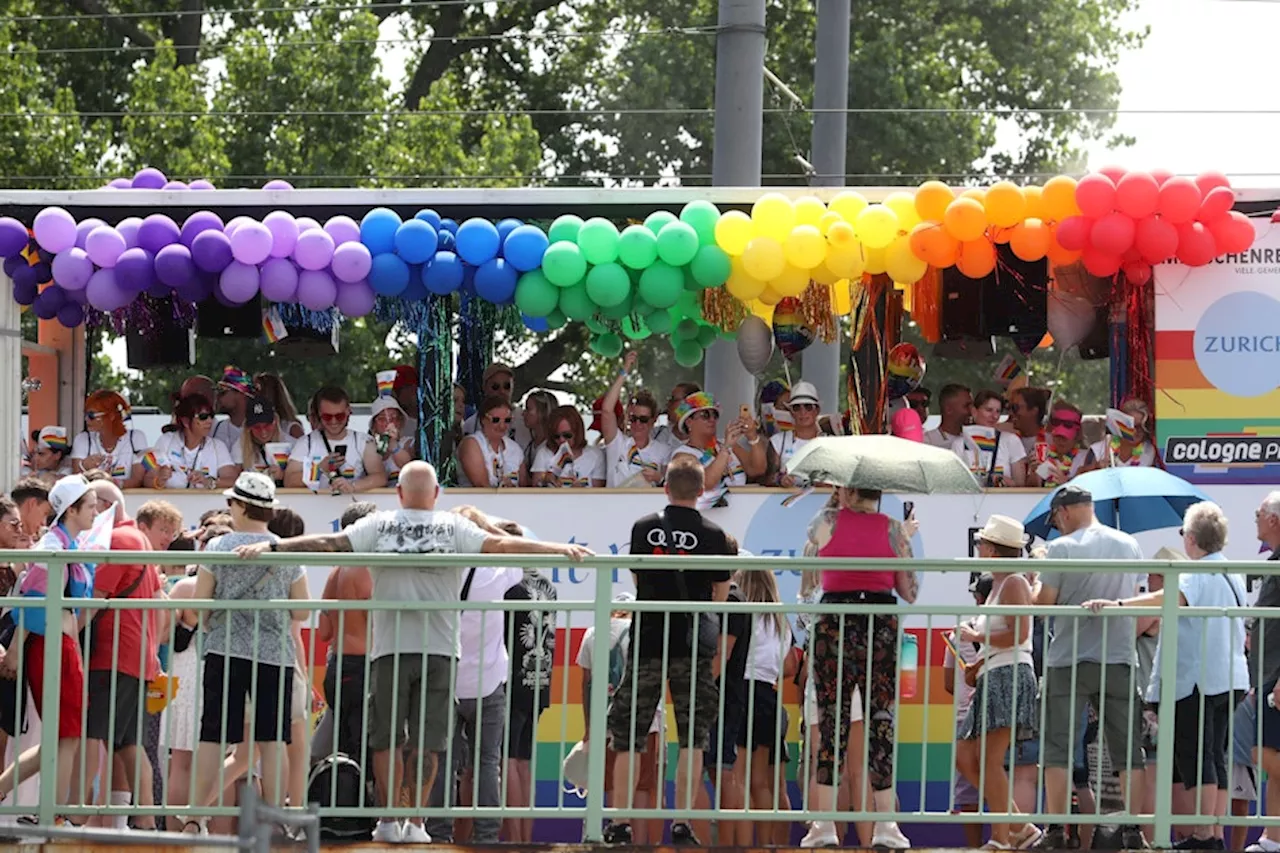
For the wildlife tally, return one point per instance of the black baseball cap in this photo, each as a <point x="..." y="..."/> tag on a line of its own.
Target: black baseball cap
<point x="260" y="411"/>
<point x="1070" y="495"/>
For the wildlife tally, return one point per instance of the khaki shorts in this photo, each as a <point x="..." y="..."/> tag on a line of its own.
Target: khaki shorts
<point x="409" y="702"/>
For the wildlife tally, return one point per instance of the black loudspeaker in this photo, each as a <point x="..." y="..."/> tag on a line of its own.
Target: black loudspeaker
<point x="164" y="346"/>
<point x="215" y="320"/>
<point x="971" y="349"/>
<point x="1097" y="344"/>
<point x="305" y="342"/>
<point x="1016" y="297"/>
<point x="963" y="314"/>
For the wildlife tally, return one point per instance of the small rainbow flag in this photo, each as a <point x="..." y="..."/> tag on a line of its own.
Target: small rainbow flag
<point x="637" y="461"/>
<point x="1120" y="424"/>
<point x="985" y="443"/>
<point x="273" y="327"/>
<point x="386" y="382"/>
<point x="1008" y="370"/>
<point x="985" y="439"/>
<point x="149" y="461"/>
<point x="281" y="458"/>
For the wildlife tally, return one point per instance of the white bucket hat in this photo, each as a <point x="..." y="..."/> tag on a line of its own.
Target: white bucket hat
<point x="1003" y="530"/>
<point x="253" y="489"/>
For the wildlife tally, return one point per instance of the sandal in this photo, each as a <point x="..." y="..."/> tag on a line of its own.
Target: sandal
<point x="200" y="823"/>
<point x="1027" y="838"/>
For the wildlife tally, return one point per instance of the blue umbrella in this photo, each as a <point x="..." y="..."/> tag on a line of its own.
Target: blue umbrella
<point x="1129" y="499"/>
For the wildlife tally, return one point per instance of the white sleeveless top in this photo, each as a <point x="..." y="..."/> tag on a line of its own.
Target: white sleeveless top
<point x="503" y="468"/>
<point x="995" y="657"/>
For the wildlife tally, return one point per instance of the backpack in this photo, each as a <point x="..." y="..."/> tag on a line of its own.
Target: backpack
<point x="617" y="663"/>
<point x="346" y="792"/>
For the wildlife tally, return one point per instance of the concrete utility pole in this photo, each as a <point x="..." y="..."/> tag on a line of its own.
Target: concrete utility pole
<point x="739" y="143"/>
<point x="821" y="361"/>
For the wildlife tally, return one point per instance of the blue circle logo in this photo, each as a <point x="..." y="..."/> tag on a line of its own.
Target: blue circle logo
<point x="1237" y="344"/>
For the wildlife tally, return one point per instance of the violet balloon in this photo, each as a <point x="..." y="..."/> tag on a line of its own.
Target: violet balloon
<point x="156" y="232"/>
<point x="211" y="251"/>
<point x="174" y="266"/>
<point x="239" y="282"/>
<point x="12" y="263"/>
<point x="105" y="293"/>
<point x="85" y="228"/>
<point x="198" y="289"/>
<point x="356" y="300"/>
<point x="277" y="184"/>
<point x="316" y="290"/>
<point x="53" y="297"/>
<point x="25" y="292"/>
<point x="55" y="229"/>
<point x="198" y="222"/>
<point x="104" y="245"/>
<point x="45" y="307"/>
<point x="79" y="297"/>
<point x="128" y="228"/>
<point x="278" y="280"/>
<point x="314" y="249"/>
<point x="43" y="272"/>
<point x="175" y="185"/>
<point x="306" y="223"/>
<point x="200" y="184"/>
<point x="251" y="244"/>
<point x="135" y="270"/>
<point x="343" y="229"/>
<point x="27" y="277"/>
<point x="149" y="179"/>
<point x="351" y="262"/>
<point x="119" y="184"/>
<point x="72" y="268"/>
<point x="70" y="315"/>
<point x="158" y="289"/>
<point x="13" y="237"/>
<point x="235" y="223"/>
<point x="284" y="232"/>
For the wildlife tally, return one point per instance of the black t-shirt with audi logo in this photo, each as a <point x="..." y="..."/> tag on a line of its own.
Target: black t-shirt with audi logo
<point x="693" y="535"/>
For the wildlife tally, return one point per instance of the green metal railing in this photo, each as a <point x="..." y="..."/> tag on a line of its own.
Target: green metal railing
<point x="598" y="612"/>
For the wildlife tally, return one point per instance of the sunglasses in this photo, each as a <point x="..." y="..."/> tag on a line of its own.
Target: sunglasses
<point x="708" y="415"/>
<point x="93" y="416"/>
<point x="565" y="436"/>
<point x="497" y="420"/>
<point x="640" y="419"/>
<point x="499" y="386"/>
<point x="333" y="418"/>
<point x="205" y="416"/>
<point x="804" y="407"/>
<point x="1064" y="422"/>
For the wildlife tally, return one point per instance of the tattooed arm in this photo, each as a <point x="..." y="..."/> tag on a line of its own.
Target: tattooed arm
<point x="906" y="583"/>
<point x="320" y="543"/>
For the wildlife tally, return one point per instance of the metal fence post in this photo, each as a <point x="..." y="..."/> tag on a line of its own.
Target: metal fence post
<point x="1168" y="663"/>
<point x="594" y="830"/>
<point x="52" y="663"/>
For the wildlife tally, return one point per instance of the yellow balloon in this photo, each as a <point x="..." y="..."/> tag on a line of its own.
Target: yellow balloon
<point x="876" y="262"/>
<point x="740" y="285"/>
<point x="805" y="247"/>
<point x="734" y="232"/>
<point x="792" y="282"/>
<point x="904" y="206"/>
<point x="876" y="225"/>
<point x="1005" y="204"/>
<point x="848" y="204"/>
<point x="809" y="210"/>
<point x="770" y="298"/>
<point x="901" y="263"/>
<point x="932" y="199"/>
<point x="773" y="216"/>
<point x="841" y="297"/>
<point x="822" y="274"/>
<point x="841" y="235"/>
<point x="977" y="194"/>
<point x="828" y="219"/>
<point x="763" y="310"/>
<point x="764" y="259"/>
<point x="847" y="262"/>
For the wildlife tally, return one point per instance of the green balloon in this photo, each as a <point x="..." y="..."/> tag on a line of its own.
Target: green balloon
<point x="598" y="239"/>
<point x="659" y="322"/>
<point x="536" y="296"/>
<point x="608" y="285"/>
<point x="656" y="220"/>
<point x="710" y="267"/>
<point x="556" y="319"/>
<point x="608" y="345"/>
<point x="707" y="335"/>
<point x="661" y="285"/>
<point x="690" y="305"/>
<point x="563" y="264"/>
<point x="575" y="303"/>
<point x="639" y="306"/>
<point x="617" y="312"/>
<point x="635" y="328"/>
<point x="688" y="354"/>
<point x="703" y="216"/>
<point x="686" y="330"/>
<point x="637" y="247"/>
<point x="690" y="283"/>
<point x="565" y="228"/>
<point x="596" y="326"/>
<point x="677" y="243"/>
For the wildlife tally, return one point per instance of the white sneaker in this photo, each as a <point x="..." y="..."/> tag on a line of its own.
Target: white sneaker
<point x="388" y="832"/>
<point x="415" y="833"/>
<point x="889" y="836"/>
<point x="1263" y="845"/>
<point x="822" y="833"/>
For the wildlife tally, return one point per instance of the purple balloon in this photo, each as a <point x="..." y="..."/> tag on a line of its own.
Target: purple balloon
<point x="234" y="225"/>
<point x="135" y="270"/>
<point x="43" y="272"/>
<point x="356" y="299"/>
<point x="277" y="184"/>
<point x="306" y="223"/>
<point x="175" y="185"/>
<point x="316" y="290"/>
<point x="351" y="262"/>
<point x="156" y="232"/>
<point x="251" y="244"/>
<point x="314" y="249"/>
<point x="79" y="297"/>
<point x="71" y="315"/>
<point x="72" y="268"/>
<point x="284" y="233"/>
<point x="279" y="280"/>
<point x="239" y="282"/>
<point x="128" y="228"/>
<point x="198" y="289"/>
<point x="46" y="304"/>
<point x="12" y="263"/>
<point x="53" y="297"/>
<point x="149" y="179"/>
<point x="25" y="290"/>
<point x="104" y="245"/>
<point x="174" y="267"/>
<point x="85" y="228"/>
<point x="343" y="229"/>
<point x="119" y="184"/>
<point x="211" y="251"/>
<point x="13" y="237"/>
<point x="55" y="229"/>
<point x="105" y="293"/>
<point x="200" y="184"/>
<point x="26" y="275"/>
<point x="201" y="220"/>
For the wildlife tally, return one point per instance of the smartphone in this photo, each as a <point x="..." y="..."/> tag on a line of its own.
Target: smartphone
<point x="340" y="450"/>
<point x="908" y="508"/>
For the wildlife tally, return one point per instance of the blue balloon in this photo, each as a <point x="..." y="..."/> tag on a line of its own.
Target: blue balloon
<point x="534" y="324"/>
<point x="468" y="280"/>
<point x="416" y="291"/>
<point x="446" y="242"/>
<point x="496" y="281"/>
<point x="478" y="241"/>
<point x="428" y="216"/>
<point x="523" y="247"/>
<point x="415" y="242"/>
<point x="378" y="230"/>
<point x="450" y="225"/>
<point x="506" y="226"/>
<point x="444" y="274"/>
<point x="389" y="275"/>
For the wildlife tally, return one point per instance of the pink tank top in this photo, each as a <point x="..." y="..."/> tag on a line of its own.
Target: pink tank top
<point x="859" y="534"/>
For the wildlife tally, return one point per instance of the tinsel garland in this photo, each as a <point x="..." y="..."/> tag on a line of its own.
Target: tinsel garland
<point x="391" y="310"/>
<point x="297" y="316"/>
<point x="721" y="309"/>
<point x="147" y="315"/>
<point x="1139" y="311"/>
<point x="815" y="310"/>
<point x="435" y="385"/>
<point x="479" y="321"/>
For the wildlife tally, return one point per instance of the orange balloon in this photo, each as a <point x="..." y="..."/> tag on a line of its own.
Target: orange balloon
<point x="1059" y="196"/>
<point x="976" y="193"/>
<point x="932" y="199"/>
<point x="977" y="258"/>
<point x="1046" y="341"/>
<point x="1035" y="202"/>
<point x="999" y="236"/>
<point x="965" y="219"/>
<point x="1005" y="204"/>
<point x="1059" y="256"/>
<point x="1030" y="240"/>
<point x="932" y="244"/>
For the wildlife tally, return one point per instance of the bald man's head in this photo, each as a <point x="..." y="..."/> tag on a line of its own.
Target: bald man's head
<point x="418" y="486"/>
<point x="108" y="493"/>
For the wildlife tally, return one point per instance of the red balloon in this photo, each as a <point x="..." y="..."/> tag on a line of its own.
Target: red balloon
<point x="1232" y="233"/>
<point x="1096" y="196"/>
<point x="1155" y="239"/>
<point x="1113" y="233"/>
<point x="1131" y="256"/>
<point x="1209" y="181"/>
<point x="1114" y="172"/>
<point x="1099" y="263"/>
<point x="1196" y="246"/>
<point x="1179" y="200"/>
<point x="1137" y="194"/>
<point x="1161" y="175"/>
<point x="1217" y="202"/>
<point x="1138" y="272"/>
<point x="1073" y="233"/>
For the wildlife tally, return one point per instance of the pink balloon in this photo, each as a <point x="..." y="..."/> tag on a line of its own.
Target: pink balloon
<point x="1161" y="175"/>
<point x="1155" y="239"/>
<point x="1137" y="194"/>
<point x="1232" y="233"/>
<point x="356" y="299"/>
<point x="1137" y="272"/>
<point x="1113" y="233"/>
<point x="1217" y="202"/>
<point x="1099" y="263"/>
<point x="1179" y="200"/>
<point x="1209" y="181"/>
<point x="1096" y="196"/>
<point x="1114" y="172"/>
<point x="1196" y="246"/>
<point x="1073" y="233"/>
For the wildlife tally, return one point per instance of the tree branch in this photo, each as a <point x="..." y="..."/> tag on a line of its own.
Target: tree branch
<point x="188" y="32"/>
<point x="548" y="359"/>
<point x="123" y="26"/>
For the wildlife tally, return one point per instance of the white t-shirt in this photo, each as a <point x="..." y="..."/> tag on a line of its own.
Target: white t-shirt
<point x="415" y="531"/>
<point x="785" y="445"/>
<point x="519" y="433"/>
<point x="625" y="460"/>
<point x="587" y="467"/>
<point x="267" y="464"/>
<point x="128" y="452"/>
<point x="209" y="457"/>
<point x="1146" y="458"/>
<point x="734" y="475"/>
<point x="503" y="468"/>
<point x="1009" y="452"/>
<point x="227" y="432"/>
<point x="311" y="451"/>
<point x="484" y="663"/>
<point x="938" y="438"/>
<point x="764" y="660"/>
<point x="619" y="638"/>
